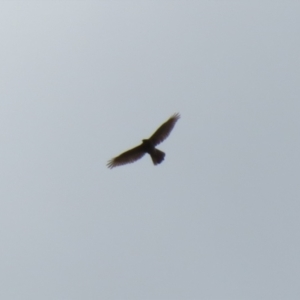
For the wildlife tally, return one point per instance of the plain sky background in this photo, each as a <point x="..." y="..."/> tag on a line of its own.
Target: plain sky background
<point x="82" y="81"/>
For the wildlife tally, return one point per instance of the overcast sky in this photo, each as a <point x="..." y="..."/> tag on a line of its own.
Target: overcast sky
<point x="82" y="81"/>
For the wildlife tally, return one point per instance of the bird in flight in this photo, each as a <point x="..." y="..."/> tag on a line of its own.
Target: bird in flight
<point x="147" y="146"/>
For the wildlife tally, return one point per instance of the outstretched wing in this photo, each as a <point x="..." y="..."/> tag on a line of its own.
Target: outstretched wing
<point x="127" y="157"/>
<point x="164" y="130"/>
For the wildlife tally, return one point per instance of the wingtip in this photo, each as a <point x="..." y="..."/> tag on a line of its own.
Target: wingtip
<point x="176" y="116"/>
<point x="110" y="164"/>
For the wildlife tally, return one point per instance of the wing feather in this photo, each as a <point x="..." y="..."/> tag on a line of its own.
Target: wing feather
<point x="164" y="130"/>
<point x="127" y="157"/>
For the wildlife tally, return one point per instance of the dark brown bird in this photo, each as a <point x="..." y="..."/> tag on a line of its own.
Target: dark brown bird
<point x="148" y="146"/>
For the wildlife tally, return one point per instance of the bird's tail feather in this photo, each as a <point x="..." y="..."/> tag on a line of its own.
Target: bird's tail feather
<point x="157" y="156"/>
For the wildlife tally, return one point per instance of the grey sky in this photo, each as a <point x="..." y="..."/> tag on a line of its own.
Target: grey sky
<point x="81" y="82"/>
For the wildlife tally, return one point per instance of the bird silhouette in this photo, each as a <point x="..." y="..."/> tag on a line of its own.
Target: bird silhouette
<point x="147" y="146"/>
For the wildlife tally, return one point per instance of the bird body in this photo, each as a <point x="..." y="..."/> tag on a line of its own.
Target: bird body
<point x="147" y="146"/>
<point x="156" y="155"/>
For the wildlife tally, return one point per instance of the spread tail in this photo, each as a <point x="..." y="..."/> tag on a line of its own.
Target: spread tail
<point x="157" y="156"/>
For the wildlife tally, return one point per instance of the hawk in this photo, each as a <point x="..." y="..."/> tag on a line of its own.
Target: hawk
<point x="147" y="146"/>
